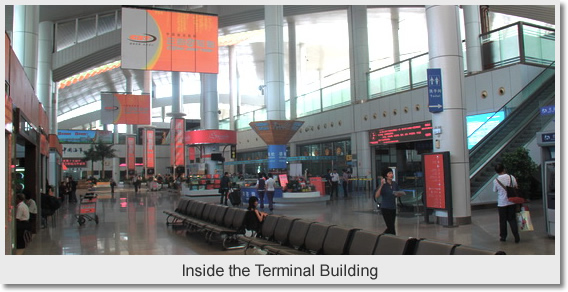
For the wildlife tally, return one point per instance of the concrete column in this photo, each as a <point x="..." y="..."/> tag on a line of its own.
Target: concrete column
<point x="445" y="52"/>
<point x="233" y="81"/>
<point x="363" y="150"/>
<point x="177" y="98"/>
<point x="148" y="89"/>
<point x="358" y="52"/>
<point x="44" y="75"/>
<point x="472" y="21"/>
<point x="210" y="102"/>
<point x="292" y="69"/>
<point x="128" y="76"/>
<point x="116" y="160"/>
<point x="394" y="28"/>
<point x="25" y="42"/>
<point x="274" y="62"/>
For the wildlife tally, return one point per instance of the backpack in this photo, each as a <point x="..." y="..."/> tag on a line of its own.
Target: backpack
<point x="261" y="184"/>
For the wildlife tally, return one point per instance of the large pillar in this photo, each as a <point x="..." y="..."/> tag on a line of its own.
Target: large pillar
<point x="472" y="21"/>
<point x="292" y="69"/>
<point x="25" y="42"/>
<point x="358" y="52"/>
<point x="209" y="115"/>
<point x="177" y="125"/>
<point x="359" y="61"/>
<point x="395" y="19"/>
<point x="44" y="75"/>
<point x="233" y="81"/>
<point x="274" y="62"/>
<point x="445" y="52"/>
<point x="116" y="160"/>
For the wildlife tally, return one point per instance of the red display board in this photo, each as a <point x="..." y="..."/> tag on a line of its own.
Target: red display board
<point x="403" y="133"/>
<point x="177" y="144"/>
<point x="319" y="184"/>
<point x="434" y="181"/>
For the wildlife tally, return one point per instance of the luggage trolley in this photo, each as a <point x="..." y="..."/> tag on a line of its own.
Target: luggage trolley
<point x="87" y="207"/>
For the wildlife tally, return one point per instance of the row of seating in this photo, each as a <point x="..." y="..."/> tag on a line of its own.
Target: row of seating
<point x="214" y="221"/>
<point x="281" y="235"/>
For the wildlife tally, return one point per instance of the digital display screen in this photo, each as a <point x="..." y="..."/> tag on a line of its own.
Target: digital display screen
<point x="403" y="133"/>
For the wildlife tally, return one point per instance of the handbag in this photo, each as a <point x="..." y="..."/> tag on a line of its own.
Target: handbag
<point x="513" y="193"/>
<point x="524" y="220"/>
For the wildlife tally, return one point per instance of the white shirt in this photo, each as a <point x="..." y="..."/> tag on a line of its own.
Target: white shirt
<point x="22" y="212"/>
<point x="270" y="183"/>
<point x="335" y="176"/>
<point x="502" y="199"/>
<point x="32" y="206"/>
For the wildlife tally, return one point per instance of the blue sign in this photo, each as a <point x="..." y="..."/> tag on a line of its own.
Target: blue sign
<point x="547" y="110"/>
<point x="276" y="156"/>
<point x="435" y="100"/>
<point x="548" y="137"/>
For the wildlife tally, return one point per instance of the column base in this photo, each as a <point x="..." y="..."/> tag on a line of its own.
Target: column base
<point x="457" y="220"/>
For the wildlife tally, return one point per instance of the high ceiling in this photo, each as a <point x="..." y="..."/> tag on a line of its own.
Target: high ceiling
<point x="232" y="19"/>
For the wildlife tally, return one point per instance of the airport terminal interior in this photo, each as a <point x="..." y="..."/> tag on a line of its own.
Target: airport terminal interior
<point x="439" y="95"/>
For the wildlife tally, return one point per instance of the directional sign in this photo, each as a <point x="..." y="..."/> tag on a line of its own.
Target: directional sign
<point x="435" y="100"/>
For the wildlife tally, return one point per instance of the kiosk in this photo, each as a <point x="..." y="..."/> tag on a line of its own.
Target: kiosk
<point x="546" y="141"/>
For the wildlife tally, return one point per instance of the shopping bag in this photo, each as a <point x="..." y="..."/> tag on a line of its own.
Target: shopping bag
<point x="524" y="221"/>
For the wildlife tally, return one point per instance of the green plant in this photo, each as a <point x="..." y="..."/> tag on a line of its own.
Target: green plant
<point x="104" y="151"/>
<point x="522" y="167"/>
<point x="92" y="156"/>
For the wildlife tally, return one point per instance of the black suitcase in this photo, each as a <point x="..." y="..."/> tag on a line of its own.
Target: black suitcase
<point x="235" y="197"/>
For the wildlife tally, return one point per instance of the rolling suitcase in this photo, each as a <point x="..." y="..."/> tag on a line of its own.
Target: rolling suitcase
<point x="235" y="197"/>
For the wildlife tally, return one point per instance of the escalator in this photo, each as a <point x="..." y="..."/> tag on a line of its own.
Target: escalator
<point x="522" y="121"/>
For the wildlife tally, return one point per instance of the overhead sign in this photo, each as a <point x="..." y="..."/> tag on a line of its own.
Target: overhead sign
<point x="210" y="137"/>
<point x="547" y="110"/>
<point x="166" y="40"/>
<point x="276" y="156"/>
<point x="404" y="133"/>
<point x="435" y="98"/>
<point x="129" y="109"/>
<point x="84" y="136"/>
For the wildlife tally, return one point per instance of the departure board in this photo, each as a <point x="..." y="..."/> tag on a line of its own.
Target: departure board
<point x="404" y="133"/>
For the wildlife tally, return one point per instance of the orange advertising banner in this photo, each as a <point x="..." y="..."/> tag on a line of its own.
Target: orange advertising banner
<point x="131" y="153"/>
<point x="165" y="40"/>
<point x="127" y="109"/>
<point x="179" y="142"/>
<point x="149" y="148"/>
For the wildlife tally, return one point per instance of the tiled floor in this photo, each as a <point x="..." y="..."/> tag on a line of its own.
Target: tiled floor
<point x="134" y="224"/>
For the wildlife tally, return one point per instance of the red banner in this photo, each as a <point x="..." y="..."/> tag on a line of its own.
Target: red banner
<point x="191" y="153"/>
<point x="177" y="143"/>
<point x="434" y="181"/>
<point x="149" y="141"/>
<point x="131" y="153"/>
<point x="210" y="137"/>
<point x="127" y="109"/>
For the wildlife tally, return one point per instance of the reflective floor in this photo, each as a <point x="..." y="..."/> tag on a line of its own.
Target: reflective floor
<point x="134" y="224"/>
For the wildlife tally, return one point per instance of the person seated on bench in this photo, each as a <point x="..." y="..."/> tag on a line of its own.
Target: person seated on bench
<point x="254" y="217"/>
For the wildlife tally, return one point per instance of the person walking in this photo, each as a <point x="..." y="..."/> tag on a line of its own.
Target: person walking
<point x="388" y="191"/>
<point x="270" y="187"/>
<point x="334" y="184"/>
<point x="112" y="185"/>
<point x="345" y="182"/>
<point x="261" y="189"/>
<point x="224" y="188"/>
<point x="32" y="207"/>
<point x="507" y="210"/>
<point x="22" y="220"/>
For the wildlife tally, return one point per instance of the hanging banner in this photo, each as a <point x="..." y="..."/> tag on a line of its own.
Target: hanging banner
<point x="191" y="153"/>
<point x="166" y="40"/>
<point x="149" y="143"/>
<point x="177" y="143"/>
<point x="129" y="109"/>
<point x="210" y="137"/>
<point x="131" y="155"/>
